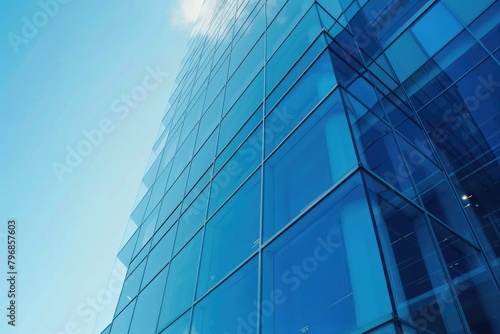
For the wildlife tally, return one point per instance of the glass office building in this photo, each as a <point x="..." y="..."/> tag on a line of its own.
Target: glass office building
<point x="328" y="166"/>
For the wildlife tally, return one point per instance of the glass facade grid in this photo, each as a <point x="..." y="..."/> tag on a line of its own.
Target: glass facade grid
<point x="309" y="146"/>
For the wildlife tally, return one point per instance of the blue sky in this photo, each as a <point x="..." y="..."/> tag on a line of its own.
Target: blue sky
<point x="65" y="77"/>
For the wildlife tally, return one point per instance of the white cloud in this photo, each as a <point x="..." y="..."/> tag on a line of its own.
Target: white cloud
<point x="186" y="12"/>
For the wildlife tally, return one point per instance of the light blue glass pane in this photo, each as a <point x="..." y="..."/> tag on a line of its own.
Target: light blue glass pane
<point x="159" y="256"/>
<point x="202" y="160"/>
<point x="192" y="115"/>
<point x="436" y="28"/>
<point x="241" y="112"/>
<point x="146" y="230"/>
<point x="141" y="256"/>
<point x="405" y="56"/>
<point x="332" y="248"/>
<point x="127" y="251"/>
<point x="174" y="195"/>
<point x="299" y="101"/>
<point x="191" y="220"/>
<point x="209" y="121"/>
<point x="158" y="189"/>
<point x="236" y="170"/>
<point x="170" y="148"/>
<point x="165" y="223"/>
<point x="180" y="326"/>
<point x="131" y="286"/>
<point x="150" y="175"/>
<point x="468" y="10"/>
<point x="122" y="322"/>
<point x="138" y="213"/>
<point x="239" y="138"/>
<point x="231" y="235"/>
<point x="231" y="307"/>
<point x="244" y="74"/>
<point x="182" y="157"/>
<point x="247" y="37"/>
<point x="179" y="291"/>
<point x="286" y="19"/>
<point x="217" y="82"/>
<point x="272" y="9"/>
<point x="197" y="189"/>
<point x="295" y="45"/>
<point x="147" y="307"/>
<point x="297" y="70"/>
<point x="318" y="154"/>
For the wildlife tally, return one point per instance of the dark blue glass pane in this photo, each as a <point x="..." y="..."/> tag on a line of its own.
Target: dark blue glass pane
<point x="417" y="277"/>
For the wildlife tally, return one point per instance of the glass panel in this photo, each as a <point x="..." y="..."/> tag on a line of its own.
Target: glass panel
<point x="231" y="235"/>
<point x="146" y="231"/>
<point x="131" y="286"/>
<point x="247" y="37"/>
<point x="434" y="189"/>
<point x="296" y="71"/>
<point x="293" y="47"/>
<point x="333" y="247"/>
<point x="165" y="224"/>
<point x="378" y="149"/>
<point x="159" y="256"/>
<point x="476" y="291"/>
<point x="487" y="27"/>
<point x="236" y="170"/>
<point x="180" y="326"/>
<point x="179" y="291"/>
<point x="122" y="321"/>
<point x="191" y="220"/>
<point x="299" y="101"/>
<point x="238" y="139"/>
<point x="148" y="307"/>
<point x="241" y="112"/>
<point x="244" y="74"/>
<point x="202" y="160"/>
<point x="286" y="19"/>
<point x="126" y="252"/>
<point x="158" y="189"/>
<point x="419" y="284"/>
<point x="436" y="28"/>
<point x="209" y="121"/>
<point x="141" y="256"/>
<point x="318" y="154"/>
<point x="231" y="307"/>
<point x="174" y="195"/>
<point x="182" y="157"/>
<point x="405" y="56"/>
<point x="138" y="213"/>
<point x="468" y="10"/>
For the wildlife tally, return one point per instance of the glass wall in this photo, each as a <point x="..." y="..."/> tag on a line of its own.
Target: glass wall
<point x="324" y="167"/>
